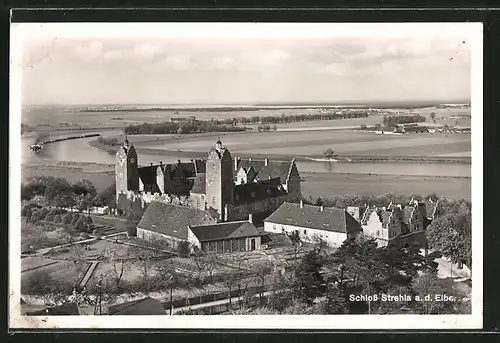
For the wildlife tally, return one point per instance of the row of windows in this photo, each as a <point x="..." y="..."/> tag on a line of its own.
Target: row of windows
<point x="305" y="231"/>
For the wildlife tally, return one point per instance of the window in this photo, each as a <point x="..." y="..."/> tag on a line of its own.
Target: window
<point x="274" y="227"/>
<point x="305" y="232"/>
<point x="202" y="197"/>
<point x="213" y="200"/>
<point x="283" y="229"/>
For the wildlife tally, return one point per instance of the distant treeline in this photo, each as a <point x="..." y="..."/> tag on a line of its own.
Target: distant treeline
<point x="194" y="126"/>
<point x="108" y="141"/>
<point x="391" y="121"/>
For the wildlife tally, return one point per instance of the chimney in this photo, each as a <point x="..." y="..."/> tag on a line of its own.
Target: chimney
<point x="161" y="163"/>
<point x="322" y="208"/>
<point x="250" y="219"/>
<point x="266" y="162"/>
<point x="250" y="159"/>
<point x="178" y="161"/>
<point x="301" y="204"/>
<point x="151" y="163"/>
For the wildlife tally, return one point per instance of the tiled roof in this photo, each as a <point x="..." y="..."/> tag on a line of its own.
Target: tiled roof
<point x="63" y="310"/>
<point x="199" y="184"/>
<point x="366" y="215"/>
<point x="239" y="229"/>
<point x="274" y="169"/>
<point x="356" y="212"/>
<point x="385" y="217"/>
<point x="172" y="220"/>
<point x="330" y="219"/>
<point x="430" y="209"/>
<point x="148" y="175"/>
<point x="255" y="191"/>
<point x="408" y="214"/>
<point x="142" y="307"/>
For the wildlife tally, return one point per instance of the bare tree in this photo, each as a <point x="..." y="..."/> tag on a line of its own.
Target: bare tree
<point x="145" y="262"/>
<point x="119" y="264"/>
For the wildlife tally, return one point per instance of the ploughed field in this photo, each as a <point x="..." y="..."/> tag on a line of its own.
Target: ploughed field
<point x="314" y="143"/>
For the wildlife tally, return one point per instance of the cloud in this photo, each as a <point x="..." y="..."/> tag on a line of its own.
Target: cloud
<point x="148" y="50"/>
<point x="89" y="51"/>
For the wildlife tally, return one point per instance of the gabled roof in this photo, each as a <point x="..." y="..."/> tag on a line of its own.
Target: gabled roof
<point x="199" y="184"/>
<point x="385" y="217"/>
<point x="172" y="220"/>
<point x="229" y="230"/>
<point x="430" y="209"/>
<point x="330" y="219"/>
<point x="408" y="213"/>
<point x="274" y="169"/>
<point x="255" y="191"/>
<point x="69" y="309"/>
<point x="142" y="307"/>
<point x="366" y="215"/>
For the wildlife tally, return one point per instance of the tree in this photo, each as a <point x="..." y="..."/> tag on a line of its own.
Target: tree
<point x="119" y="263"/>
<point x="329" y="153"/>
<point x="335" y="301"/>
<point x="428" y="285"/>
<point x="183" y="249"/>
<point x="145" y="265"/>
<point x="275" y="128"/>
<point x="67" y="218"/>
<point x="451" y="234"/>
<point x="81" y="225"/>
<point x="363" y="127"/>
<point x="262" y="270"/>
<point x="180" y="131"/>
<point x="433" y="116"/>
<point x="84" y="187"/>
<point x="308" y="281"/>
<point x="279" y="300"/>
<point x="319" y="202"/>
<point x="57" y="219"/>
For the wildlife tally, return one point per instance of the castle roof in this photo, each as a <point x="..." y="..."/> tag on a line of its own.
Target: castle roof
<point x="229" y="230"/>
<point x="172" y="220"/>
<point x="329" y="219"/>
<point x="274" y="169"/>
<point x="256" y="191"/>
<point x="199" y="184"/>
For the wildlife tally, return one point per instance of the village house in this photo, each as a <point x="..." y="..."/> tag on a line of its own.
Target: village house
<point x="382" y="224"/>
<point x="225" y="237"/>
<point x="313" y="223"/>
<point x="170" y="223"/>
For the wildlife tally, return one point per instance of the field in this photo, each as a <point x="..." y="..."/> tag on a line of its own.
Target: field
<point x="314" y="143"/>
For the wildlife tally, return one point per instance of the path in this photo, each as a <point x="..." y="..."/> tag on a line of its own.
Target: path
<point x="44" y="251"/>
<point x="88" y="274"/>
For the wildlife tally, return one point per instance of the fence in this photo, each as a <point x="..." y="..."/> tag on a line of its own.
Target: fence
<point x="213" y="297"/>
<point x="223" y="308"/>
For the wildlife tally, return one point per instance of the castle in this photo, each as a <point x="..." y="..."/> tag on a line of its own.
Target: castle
<point x="232" y="188"/>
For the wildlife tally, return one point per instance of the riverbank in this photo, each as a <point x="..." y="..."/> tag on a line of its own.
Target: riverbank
<point x="314" y="184"/>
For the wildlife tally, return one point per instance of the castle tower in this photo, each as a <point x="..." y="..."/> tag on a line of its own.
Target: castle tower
<point x="126" y="169"/>
<point x="219" y="178"/>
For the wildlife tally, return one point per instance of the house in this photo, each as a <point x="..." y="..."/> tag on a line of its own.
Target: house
<point x="69" y="309"/>
<point x="412" y="217"/>
<point x="170" y="223"/>
<point x="141" y="307"/>
<point x="411" y="128"/>
<point x="313" y="223"/>
<point x="428" y="210"/>
<point x="226" y="237"/>
<point x="383" y="224"/>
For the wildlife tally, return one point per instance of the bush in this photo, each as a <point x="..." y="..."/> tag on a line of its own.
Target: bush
<point x="183" y="249"/>
<point x="80" y="225"/>
<point x="67" y="218"/>
<point x="36" y="215"/>
<point x="50" y="215"/>
<point x="42" y="283"/>
<point x="57" y="219"/>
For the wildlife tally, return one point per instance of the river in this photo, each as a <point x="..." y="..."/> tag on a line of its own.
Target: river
<point x="78" y="150"/>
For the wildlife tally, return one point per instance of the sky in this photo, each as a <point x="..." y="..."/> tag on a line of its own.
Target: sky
<point x="191" y="69"/>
